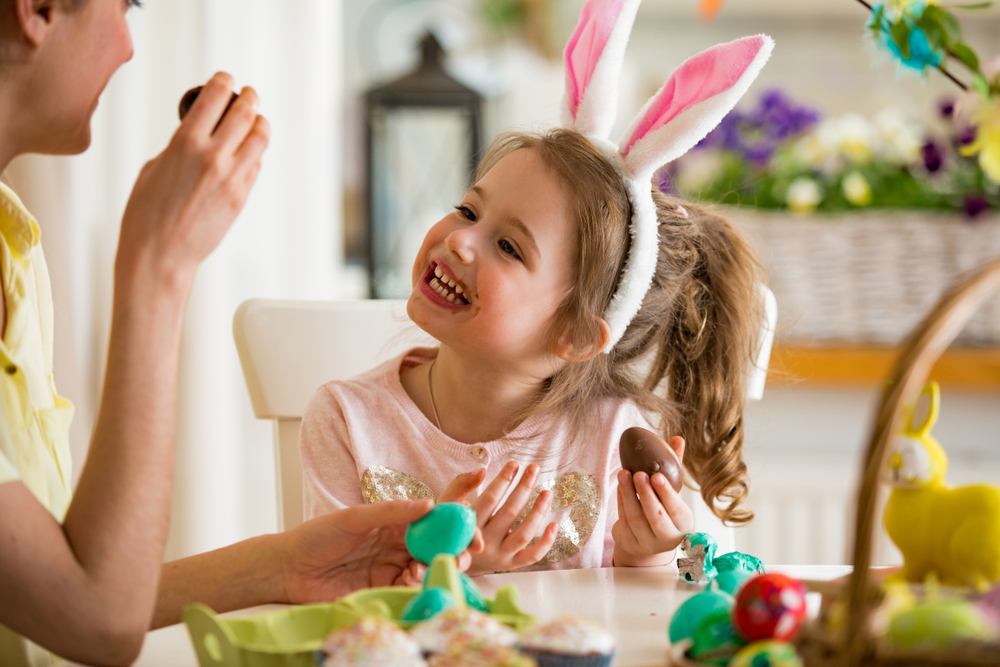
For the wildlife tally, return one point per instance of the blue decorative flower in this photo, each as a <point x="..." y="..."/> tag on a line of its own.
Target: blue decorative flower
<point x="890" y="28"/>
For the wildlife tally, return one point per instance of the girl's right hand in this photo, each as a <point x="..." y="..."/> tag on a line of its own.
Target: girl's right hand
<point x="188" y="196"/>
<point x="505" y="547"/>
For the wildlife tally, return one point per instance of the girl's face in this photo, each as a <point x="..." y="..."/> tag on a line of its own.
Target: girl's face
<point x="489" y="276"/>
<point x="84" y="48"/>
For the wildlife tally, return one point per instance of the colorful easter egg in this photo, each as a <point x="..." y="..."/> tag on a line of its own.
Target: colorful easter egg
<point x="715" y="639"/>
<point x="447" y="529"/>
<point x="766" y="653"/>
<point x="427" y="604"/>
<point x="694" y="610"/>
<point x="770" y="606"/>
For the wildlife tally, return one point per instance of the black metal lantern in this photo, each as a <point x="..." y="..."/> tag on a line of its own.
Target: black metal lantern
<point x="422" y="143"/>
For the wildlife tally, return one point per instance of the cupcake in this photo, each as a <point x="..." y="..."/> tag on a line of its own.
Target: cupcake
<point x="481" y="655"/>
<point x="568" y="642"/>
<point x="370" y="641"/>
<point x="461" y="626"/>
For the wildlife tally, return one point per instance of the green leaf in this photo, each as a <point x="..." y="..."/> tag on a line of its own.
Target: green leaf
<point x="980" y="85"/>
<point x="972" y="6"/>
<point x="968" y="57"/>
<point x="901" y="35"/>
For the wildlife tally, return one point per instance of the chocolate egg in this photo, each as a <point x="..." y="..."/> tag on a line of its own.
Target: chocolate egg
<point x="191" y="95"/>
<point x="643" y="450"/>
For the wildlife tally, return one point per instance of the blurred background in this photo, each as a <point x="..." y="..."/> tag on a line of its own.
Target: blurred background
<point x="365" y="155"/>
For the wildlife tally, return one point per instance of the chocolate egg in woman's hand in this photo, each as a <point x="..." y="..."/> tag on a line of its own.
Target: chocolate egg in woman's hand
<point x="642" y="450"/>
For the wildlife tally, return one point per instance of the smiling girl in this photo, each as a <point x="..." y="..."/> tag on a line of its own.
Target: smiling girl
<point x="571" y="301"/>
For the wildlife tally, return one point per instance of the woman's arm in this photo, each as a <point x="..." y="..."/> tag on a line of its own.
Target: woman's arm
<point x="86" y="589"/>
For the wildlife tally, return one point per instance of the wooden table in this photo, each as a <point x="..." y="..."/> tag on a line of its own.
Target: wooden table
<point x="634" y="604"/>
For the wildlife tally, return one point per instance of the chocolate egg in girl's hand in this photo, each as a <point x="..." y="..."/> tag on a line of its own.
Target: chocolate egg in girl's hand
<point x="642" y="450"/>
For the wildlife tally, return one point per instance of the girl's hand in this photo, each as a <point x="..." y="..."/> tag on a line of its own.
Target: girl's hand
<point x="187" y="197"/>
<point x="652" y="519"/>
<point x="505" y="547"/>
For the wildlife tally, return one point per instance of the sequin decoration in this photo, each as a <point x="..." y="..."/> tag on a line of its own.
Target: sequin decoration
<point x="379" y="484"/>
<point x="581" y="493"/>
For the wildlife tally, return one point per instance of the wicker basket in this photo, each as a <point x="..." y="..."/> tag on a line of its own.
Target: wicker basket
<point x="856" y="645"/>
<point x="866" y="277"/>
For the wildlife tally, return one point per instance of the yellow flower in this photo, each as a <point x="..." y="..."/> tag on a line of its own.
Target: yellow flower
<point x="987" y="143"/>
<point x="856" y="189"/>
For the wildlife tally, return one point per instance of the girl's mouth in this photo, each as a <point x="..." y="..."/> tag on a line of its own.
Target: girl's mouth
<point x="448" y="288"/>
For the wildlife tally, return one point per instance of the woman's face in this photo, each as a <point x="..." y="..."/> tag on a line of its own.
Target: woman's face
<point x="490" y="276"/>
<point x="85" y="46"/>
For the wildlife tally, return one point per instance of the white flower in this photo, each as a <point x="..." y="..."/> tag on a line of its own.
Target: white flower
<point x="901" y="137"/>
<point x="804" y="194"/>
<point x="857" y="137"/>
<point x="856" y="189"/>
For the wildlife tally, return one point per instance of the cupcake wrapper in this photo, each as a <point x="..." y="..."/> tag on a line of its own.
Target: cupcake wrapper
<point x="553" y="660"/>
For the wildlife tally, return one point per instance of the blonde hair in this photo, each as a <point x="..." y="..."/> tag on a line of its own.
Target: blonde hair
<point x="685" y="356"/>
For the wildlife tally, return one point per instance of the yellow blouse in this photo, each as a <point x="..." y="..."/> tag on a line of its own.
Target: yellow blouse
<point x="34" y="419"/>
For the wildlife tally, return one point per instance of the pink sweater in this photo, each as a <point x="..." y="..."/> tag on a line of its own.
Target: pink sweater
<point x="363" y="440"/>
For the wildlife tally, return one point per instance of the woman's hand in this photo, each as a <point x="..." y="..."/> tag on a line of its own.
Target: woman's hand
<point x="506" y="547"/>
<point x="188" y="196"/>
<point x="358" y="547"/>
<point x="652" y="518"/>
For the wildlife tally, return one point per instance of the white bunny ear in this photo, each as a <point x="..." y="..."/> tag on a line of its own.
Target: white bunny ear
<point x="692" y="102"/>
<point x="593" y="59"/>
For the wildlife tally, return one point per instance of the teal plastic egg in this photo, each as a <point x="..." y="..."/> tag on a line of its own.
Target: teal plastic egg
<point x="937" y="624"/>
<point x="691" y="613"/>
<point x="766" y="653"/>
<point x="716" y="639"/>
<point x="447" y="529"/>
<point x="427" y="604"/>
<point x="473" y="597"/>
<point x="731" y="581"/>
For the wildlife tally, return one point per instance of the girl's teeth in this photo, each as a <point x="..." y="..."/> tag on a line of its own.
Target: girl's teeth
<point x="451" y="298"/>
<point x="438" y="272"/>
<point x="458" y="288"/>
<point x="438" y="287"/>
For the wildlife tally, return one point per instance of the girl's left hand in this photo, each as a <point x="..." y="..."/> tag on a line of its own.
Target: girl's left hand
<point x="652" y="519"/>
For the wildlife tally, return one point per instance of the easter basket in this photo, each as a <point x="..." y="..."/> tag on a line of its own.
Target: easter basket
<point x="855" y="639"/>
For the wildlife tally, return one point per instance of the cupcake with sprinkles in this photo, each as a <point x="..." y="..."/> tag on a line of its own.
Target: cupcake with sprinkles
<point x="370" y="641"/>
<point x="481" y="655"/>
<point x="458" y="627"/>
<point x="568" y="642"/>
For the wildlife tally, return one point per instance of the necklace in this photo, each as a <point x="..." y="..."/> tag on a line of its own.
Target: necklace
<point x="430" y="391"/>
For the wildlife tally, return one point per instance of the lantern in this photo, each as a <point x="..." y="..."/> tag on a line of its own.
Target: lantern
<point x="422" y="142"/>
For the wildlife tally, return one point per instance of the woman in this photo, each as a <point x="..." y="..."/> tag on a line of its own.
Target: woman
<point x="83" y="576"/>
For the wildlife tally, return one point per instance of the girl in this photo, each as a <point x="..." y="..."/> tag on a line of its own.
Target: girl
<point x="83" y="575"/>
<point x="571" y="302"/>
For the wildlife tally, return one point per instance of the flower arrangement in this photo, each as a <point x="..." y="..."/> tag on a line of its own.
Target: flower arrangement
<point x="780" y="155"/>
<point x="924" y="34"/>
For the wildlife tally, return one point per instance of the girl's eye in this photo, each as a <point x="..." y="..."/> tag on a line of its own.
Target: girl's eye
<point x="466" y="212"/>
<point x="508" y="248"/>
<point x="133" y="3"/>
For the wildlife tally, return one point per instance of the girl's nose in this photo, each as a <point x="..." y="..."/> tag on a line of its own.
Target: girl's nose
<point x="461" y="243"/>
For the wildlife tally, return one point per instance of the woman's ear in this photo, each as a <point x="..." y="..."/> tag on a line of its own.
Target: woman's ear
<point x="565" y="349"/>
<point x="35" y="17"/>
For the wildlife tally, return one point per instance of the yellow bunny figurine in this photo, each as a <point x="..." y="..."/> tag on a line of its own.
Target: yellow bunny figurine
<point x="951" y="534"/>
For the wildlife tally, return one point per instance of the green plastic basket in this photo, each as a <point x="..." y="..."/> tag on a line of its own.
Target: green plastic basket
<point x="289" y="637"/>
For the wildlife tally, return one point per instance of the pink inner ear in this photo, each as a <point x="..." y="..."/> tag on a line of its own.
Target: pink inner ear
<point x="585" y="46"/>
<point x="705" y="75"/>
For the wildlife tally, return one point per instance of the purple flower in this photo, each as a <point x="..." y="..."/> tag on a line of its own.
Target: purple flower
<point x="757" y="134"/>
<point x="933" y="157"/>
<point x="664" y="180"/>
<point x="966" y="135"/>
<point x="975" y="204"/>
<point x="946" y="107"/>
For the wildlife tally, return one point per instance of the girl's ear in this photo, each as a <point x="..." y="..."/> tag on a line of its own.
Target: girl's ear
<point x="564" y="348"/>
<point x="677" y="444"/>
<point x="35" y="19"/>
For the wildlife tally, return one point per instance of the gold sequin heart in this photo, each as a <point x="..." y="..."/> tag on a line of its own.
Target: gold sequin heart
<point x="575" y="490"/>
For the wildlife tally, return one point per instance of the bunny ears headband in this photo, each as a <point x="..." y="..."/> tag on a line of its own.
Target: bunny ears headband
<point x="690" y="104"/>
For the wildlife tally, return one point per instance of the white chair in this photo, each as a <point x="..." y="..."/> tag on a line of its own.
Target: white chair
<point x="288" y="349"/>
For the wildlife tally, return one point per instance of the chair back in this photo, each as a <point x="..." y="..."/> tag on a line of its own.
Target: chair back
<point x="288" y="349"/>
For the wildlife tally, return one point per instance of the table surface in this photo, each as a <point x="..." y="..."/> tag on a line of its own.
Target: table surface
<point x="634" y="604"/>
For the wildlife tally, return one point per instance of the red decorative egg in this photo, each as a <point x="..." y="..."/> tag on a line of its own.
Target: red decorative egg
<point x="770" y="606"/>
